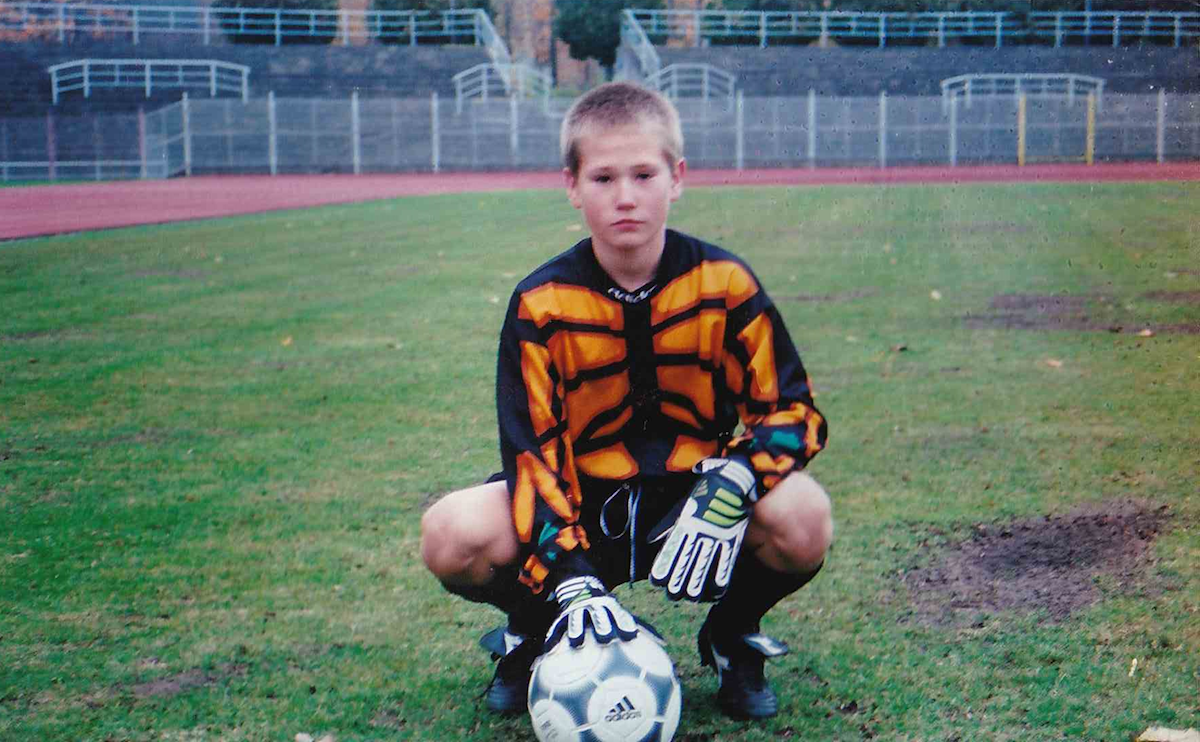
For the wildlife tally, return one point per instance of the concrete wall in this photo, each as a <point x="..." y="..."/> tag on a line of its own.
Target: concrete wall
<point x="298" y="71"/>
<point x="918" y="71"/>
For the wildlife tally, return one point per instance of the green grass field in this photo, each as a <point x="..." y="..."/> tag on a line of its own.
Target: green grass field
<point x="217" y="438"/>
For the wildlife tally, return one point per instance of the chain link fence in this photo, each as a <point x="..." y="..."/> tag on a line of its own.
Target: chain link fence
<point x="352" y="135"/>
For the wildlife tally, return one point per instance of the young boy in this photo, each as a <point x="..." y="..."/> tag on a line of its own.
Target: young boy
<point x="625" y="365"/>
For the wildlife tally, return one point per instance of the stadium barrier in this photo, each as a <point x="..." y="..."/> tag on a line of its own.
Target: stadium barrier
<point x="61" y="22"/>
<point x="765" y="28"/>
<point x="287" y="135"/>
<point x="149" y="74"/>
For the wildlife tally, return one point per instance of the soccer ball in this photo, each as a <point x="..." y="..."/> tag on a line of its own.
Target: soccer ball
<point x="622" y="691"/>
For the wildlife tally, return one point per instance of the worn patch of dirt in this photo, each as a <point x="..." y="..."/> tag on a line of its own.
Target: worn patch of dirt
<point x="1175" y="297"/>
<point x="173" y="685"/>
<point x="1079" y="313"/>
<point x="1049" y="564"/>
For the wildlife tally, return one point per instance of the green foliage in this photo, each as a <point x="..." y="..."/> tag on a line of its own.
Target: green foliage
<point x="259" y="28"/>
<point x="592" y="28"/>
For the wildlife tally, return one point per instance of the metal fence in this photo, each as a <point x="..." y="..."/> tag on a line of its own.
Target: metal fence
<point x="352" y="135"/>
<point x="764" y="28"/>
<point x="63" y="22"/>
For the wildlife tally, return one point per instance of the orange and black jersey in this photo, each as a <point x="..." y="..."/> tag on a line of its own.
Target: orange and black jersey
<point x="598" y="383"/>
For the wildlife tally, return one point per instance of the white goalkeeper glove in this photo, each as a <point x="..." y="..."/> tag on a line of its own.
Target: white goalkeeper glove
<point x="585" y="603"/>
<point x="697" y="560"/>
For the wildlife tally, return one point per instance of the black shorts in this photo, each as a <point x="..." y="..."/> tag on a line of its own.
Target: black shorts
<point x="620" y="518"/>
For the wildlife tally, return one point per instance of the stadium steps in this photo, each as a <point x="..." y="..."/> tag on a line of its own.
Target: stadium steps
<point x="289" y="71"/>
<point x="857" y="71"/>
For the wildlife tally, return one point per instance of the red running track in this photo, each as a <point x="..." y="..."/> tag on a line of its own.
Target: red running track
<point x="57" y="209"/>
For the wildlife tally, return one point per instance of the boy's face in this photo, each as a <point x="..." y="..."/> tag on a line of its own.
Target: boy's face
<point x="625" y="187"/>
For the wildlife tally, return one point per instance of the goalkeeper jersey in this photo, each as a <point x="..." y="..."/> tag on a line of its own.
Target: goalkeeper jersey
<point x="598" y="383"/>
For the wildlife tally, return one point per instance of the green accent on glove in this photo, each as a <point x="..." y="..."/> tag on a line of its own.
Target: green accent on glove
<point x="786" y="441"/>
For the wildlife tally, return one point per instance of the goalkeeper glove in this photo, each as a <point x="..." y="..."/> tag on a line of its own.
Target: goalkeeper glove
<point x="585" y="603"/>
<point x="697" y="561"/>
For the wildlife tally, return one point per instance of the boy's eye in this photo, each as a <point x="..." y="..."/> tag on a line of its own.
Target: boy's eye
<point x="602" y="178"/>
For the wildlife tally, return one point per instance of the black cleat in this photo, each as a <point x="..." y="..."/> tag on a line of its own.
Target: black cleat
<point x="508" y="693"/>
<point x="738" y="660"/>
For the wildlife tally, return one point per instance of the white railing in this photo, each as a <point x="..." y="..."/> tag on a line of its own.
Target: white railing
<point x="55" y="21"/>
<point x="486" y="81"/>
<point x="487" y="36"/>
<point x="149" y="74"/>
<point x="637" y="58"/>
<point x="701" y="27"/>
<point x="1116" y="26"/>
<point x="1014" y="84"/>
<point x="693" y="80"/>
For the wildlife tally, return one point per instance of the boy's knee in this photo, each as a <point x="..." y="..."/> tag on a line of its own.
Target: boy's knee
<point x="436" y="537"/>
<point x="466" y="534"/>
<point x="797" y="520"/>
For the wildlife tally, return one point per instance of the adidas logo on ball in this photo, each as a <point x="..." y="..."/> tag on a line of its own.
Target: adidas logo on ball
<point x="623" y="711"/>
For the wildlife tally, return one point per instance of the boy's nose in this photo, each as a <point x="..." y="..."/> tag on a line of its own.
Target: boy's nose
<point x="624" y="194"/>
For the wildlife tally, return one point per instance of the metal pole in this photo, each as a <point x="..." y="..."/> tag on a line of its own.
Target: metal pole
<point x="435" y="148"/>
<point x="1090" y="147"/>
<point x="1160" y="140"/>
<point x="1021" y="113"/>
<point x="882" y="128"/>
<point x="514" y="141"/>
<point x="186" y="108"/>
<point x="272" y="135"/>
<point x="207" y="23"/>
<point x="741" y="132"/>
<point x="954" y="131"/>
<point x="142" y="141"/>
<point x="812" y="128"/>
<point x="51" y="146"/>
<point x="135" y="25"/>
<point x="97" y="147"/>
<point x="355" y="133"/>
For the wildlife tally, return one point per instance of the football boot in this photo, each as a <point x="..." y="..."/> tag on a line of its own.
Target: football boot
<point x="514" y="654"/>
<point x="738" y="660"/>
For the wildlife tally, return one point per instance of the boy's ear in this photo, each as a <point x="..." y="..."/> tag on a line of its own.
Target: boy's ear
<point x="677" y="174"/>
<point x="572" y="182"/>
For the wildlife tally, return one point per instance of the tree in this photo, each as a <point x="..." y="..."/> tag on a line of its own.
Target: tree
<point x="592" y="28"/>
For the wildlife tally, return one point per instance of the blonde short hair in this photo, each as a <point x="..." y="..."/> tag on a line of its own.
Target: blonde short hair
<point x="617" y="104"/>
